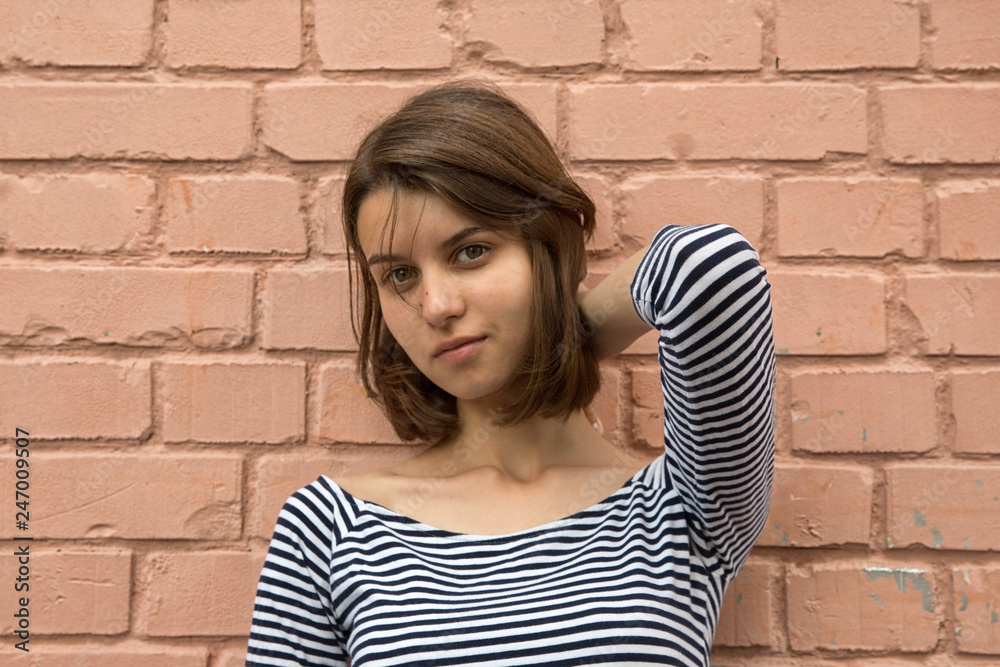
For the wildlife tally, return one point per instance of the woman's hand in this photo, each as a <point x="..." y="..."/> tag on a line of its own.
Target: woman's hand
<point x="609" y="311"/>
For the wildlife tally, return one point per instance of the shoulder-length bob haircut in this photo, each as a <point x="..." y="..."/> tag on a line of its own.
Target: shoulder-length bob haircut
<point x="471" y="145"/>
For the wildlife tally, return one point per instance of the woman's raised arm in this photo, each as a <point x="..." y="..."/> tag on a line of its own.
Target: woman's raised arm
<point x="610" y="312"/>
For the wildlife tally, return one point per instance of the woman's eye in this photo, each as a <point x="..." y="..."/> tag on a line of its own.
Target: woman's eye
<point x="397" y="276"/>
<point x="473" y="252"/>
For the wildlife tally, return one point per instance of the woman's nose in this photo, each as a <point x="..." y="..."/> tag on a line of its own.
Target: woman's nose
<point x="441" y="299"/>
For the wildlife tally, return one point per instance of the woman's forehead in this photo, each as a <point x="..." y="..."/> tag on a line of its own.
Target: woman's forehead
<point x="399" y="214"/>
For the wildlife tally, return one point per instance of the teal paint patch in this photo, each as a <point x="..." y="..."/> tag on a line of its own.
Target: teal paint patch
<point x="864" y="434"/>
<point x="938" y="538"/>
<point x="965" y="602"/>
<point x="739" y="598"/>
<point x="994" y="618"/>
<point x="965" y="543"/>
<point x="784" y="539"/>
<point x="903" y="577"/>
<point x="879" y="600"/>
<point x="979" y="483"/>
<point x="782" y="350"/>
<point x="840" y="412"/>
<point x="919" y="520"/>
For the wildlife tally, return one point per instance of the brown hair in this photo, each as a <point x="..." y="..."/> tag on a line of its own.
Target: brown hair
<point x="478" y="150"/>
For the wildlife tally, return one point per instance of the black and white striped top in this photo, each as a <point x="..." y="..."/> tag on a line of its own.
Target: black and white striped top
<point x="636" y="579"/>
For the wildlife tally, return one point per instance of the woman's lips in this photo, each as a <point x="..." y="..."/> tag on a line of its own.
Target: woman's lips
<point x="461" y="353"/>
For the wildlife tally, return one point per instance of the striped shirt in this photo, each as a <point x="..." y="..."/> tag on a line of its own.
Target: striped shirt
<point x="635" y="579"/>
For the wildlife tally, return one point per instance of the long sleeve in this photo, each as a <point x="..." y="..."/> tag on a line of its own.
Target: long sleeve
<point x="704" y="290"/>
<point x="293" y="622"/>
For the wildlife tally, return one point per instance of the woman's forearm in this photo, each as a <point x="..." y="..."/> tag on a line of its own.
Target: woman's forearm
<point x="608" y="308"/>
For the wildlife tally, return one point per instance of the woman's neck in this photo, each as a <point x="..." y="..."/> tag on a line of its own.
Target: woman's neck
<point x="523" y="451"/>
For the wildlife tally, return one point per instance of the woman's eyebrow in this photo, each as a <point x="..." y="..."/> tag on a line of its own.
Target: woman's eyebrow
<point x="447" y="243"/>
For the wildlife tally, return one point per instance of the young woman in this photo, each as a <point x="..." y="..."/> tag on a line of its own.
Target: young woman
<point x="520" y="536"/>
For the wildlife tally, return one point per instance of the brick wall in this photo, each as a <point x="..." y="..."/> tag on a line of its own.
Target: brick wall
<point x="173" y="329"/>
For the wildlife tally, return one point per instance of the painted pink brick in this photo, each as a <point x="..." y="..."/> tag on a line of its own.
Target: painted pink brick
<point x="828" y="312"/>
<point x="818" y="505"/>
<point x="307" y="309"/>
<point x="89" y="213"/>
<point x="76" y="398"/>
<point x="833" y="411"/>
<point x="651" y="201"/>
<point x="264" y="34"/>
<point x="867" y="217"/>
<point x="257" y="213"/>
<point x="958" y="313"/>
<point x="935" y="123"/>
<point x="182" y="121"/>
<point x="966" y="34"/>
<point x="234" y="402"/>
<point x="850" y="34"/>
<point x="710" y="121"/>
<point x="200" y="594"/>
<point x="968" y="222"/>
<point x="133" y="496"/>
<point x="382" y="34"/>
<point x="537" y="34"/>
<point x="58" y="32"/>
<point x="107" y="305"/>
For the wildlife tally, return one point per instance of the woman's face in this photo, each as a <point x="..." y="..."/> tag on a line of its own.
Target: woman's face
<point x="461" y="306"/>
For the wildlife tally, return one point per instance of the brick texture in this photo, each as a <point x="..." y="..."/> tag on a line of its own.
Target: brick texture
<point x="976" y="592"/>
<point x="941" y="123"/>
<point x="381" y="34"/>
<point x="49" y="306"/>
<point x="200" y="594"/>
<point x="828" y="313"/>
<point x="712" y="35"/>
<point x="174" y="305"/>
<point x="944" y="507"/>
<point x="869" y="34"/>
<point x="58" y="32"/>
<point x="832" y="412"/>
<point x="967" y="34"/>
<point x="850" y="218"/>
<point x="967" y="220"/>
<point x="746" y="612"/>
<point x="91" y="213"/>
<point x="346" y="413"/>
<point x="132" y="496"/>
<point x="973" y="401"/>
<point x="893" y="608"/>
<point x="535" y="34"/>
<point x="649" y="203"/>
<point x="260" y="34"/>
<point x="74" y="593"/>
<point x="130" y="653"/>
<point x="957" y="313"/>
<point x="813" y="506"/>
<point x="706" y="122"/>
<point x="113" y="120"/>
<point x="234" y="402"/>
<point x="76" y="398"/>
<point x="308" y="309"/>
<point x="258" y="214"/>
